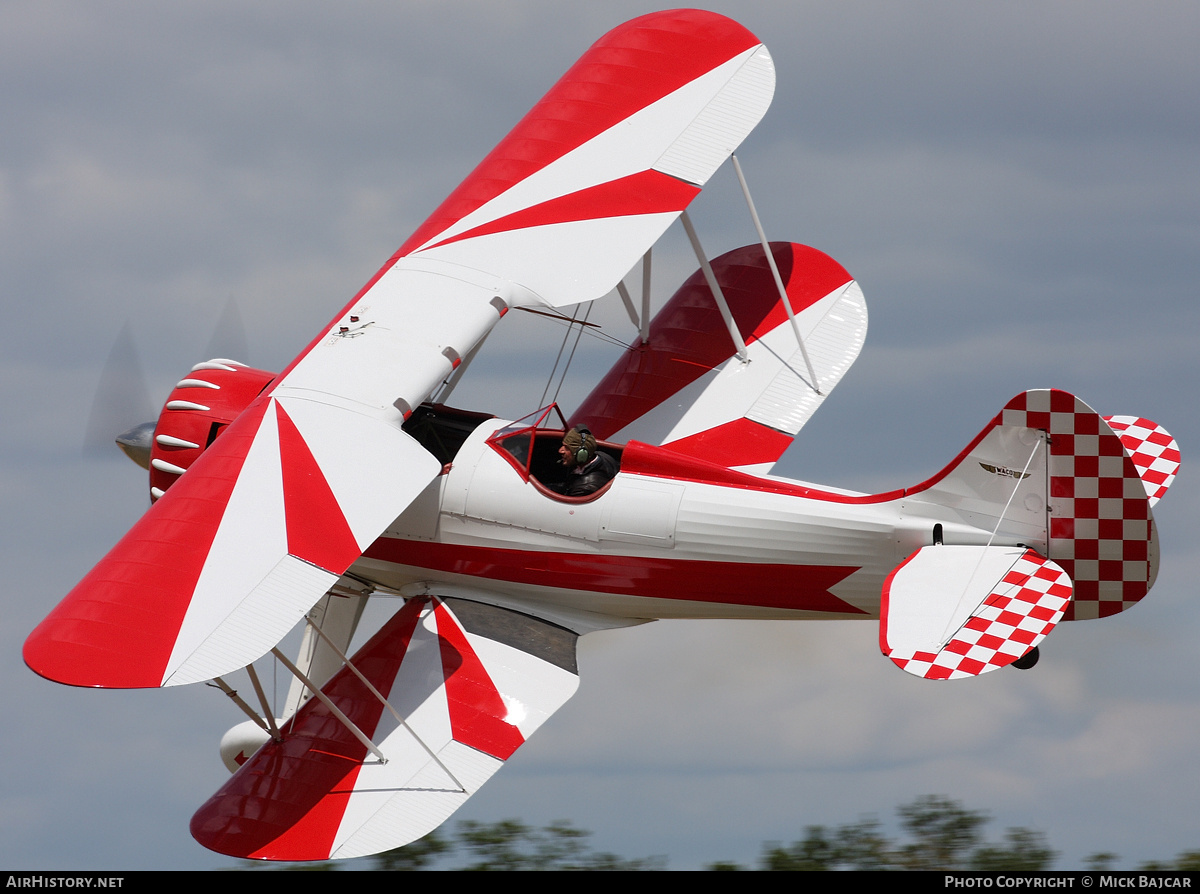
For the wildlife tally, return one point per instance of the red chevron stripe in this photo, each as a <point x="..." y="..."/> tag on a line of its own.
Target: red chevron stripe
<point x="476" y="710"/>
<point x="317" y="530"/>
<point x="634" y="65"/>
<point x="646" y="193"/>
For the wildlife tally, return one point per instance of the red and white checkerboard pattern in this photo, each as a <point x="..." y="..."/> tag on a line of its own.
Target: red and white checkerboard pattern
<point x="1152" y="450"/>
<point x="1100" y="522"/>
<point x="1021" y="609"/>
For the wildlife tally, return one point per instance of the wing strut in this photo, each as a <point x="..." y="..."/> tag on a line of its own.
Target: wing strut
<point x="268" y="726"/>
<point x="645" y="327"/>
<point x="787" y="301"/>
<point x="362" y="737"/>
<point x="629" y="308"/>
<point x="382" y="700"/>
<point x="268" y="714"/>
<point x="715" y="287"/>
<point x="642" y="323"/>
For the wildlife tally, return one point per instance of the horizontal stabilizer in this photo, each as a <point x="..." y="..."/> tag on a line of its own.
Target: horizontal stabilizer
<point x="466" y="684"/>
<point x="1154" y="452"/>
<point x="960" y="611"/>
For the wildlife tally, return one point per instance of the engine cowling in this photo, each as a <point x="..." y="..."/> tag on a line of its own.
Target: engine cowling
<point x="197" y="410"/>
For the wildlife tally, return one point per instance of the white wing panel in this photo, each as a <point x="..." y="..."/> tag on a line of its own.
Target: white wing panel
<point x="833" y="344"/>
<point x="719" y="128"/>
<point x="392" y="343"/>
<point x="249" y="543"/>
<point x="562" y="263"/>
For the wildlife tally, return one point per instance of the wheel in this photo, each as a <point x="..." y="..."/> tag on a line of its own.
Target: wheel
<point x="1028" y="660"/>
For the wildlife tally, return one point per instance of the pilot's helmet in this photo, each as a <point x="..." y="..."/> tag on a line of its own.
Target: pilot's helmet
<point x="581" y="443"/>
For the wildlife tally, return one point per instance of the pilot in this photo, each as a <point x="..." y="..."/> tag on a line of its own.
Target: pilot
<point x="588" y="469"/>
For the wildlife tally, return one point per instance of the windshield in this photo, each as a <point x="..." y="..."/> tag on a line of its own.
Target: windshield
<point x="515" y="440"/>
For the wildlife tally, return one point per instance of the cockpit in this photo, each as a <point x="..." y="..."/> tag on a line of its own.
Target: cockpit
<point x="531" y="446"/>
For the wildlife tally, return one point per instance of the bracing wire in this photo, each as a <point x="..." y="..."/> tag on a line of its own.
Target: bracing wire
<point x="947" y="633"/>
<point x="558" y="357"/>
<point x="571" y="356"/>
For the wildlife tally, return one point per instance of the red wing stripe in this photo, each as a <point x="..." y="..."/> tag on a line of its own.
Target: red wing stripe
<point x="646" y="193"/>
<point x="317" y="531"/>
<point x="477" y="710"/>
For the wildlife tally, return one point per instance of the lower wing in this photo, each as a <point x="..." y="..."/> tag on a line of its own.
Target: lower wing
<point x="449" y="690"/>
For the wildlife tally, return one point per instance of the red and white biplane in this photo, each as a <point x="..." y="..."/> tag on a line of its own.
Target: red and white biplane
<point x="294" y="497"/>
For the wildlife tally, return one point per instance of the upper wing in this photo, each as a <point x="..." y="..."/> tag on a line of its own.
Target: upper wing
<point x="598" y="169"/>
<point x="684" y="389"/>
<point x="468" y="682"/>
<point x="294" y="490"/>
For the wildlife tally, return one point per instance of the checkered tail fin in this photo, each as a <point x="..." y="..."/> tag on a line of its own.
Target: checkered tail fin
<point x="1065" y="494"/>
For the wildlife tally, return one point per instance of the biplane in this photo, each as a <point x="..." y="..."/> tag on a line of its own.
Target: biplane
<point x="295" y="497"/>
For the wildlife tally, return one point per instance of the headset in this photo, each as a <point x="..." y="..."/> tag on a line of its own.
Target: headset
<point x="583" y="455"/>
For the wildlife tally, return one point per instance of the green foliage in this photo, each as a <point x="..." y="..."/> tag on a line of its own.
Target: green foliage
<point x="942" y="835"/>
<point x="939" y="834"/>
<point x="509" y="846"/>
<point x="1101" y="862"/>
<point x="1187" y="861"/>
<point x="1024" y="851"/>
<point x="418" y="855"/>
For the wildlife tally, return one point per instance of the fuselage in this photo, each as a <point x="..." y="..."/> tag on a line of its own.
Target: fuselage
<point x="670" y="537"/>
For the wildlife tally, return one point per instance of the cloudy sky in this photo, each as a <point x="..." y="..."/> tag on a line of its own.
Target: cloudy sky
<point x="1014" y="185"/>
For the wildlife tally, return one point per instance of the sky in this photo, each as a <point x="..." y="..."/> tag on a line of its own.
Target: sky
<point x="1014" y="185"/>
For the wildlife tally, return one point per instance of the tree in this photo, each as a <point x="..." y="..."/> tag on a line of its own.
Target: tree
<point x="942" y="836"/>
<point x="944" y="833"/>
<point x="1025" y="851"/>
<point x="510" y="845"/>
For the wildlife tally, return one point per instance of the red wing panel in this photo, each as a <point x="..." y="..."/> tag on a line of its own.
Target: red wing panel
<point x="471" y="681"/>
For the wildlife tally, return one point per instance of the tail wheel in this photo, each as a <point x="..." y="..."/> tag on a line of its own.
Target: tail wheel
<point x="1028" y="660"/>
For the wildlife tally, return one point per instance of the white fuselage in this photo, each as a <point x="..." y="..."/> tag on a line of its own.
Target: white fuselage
<point x="662" y="541"/>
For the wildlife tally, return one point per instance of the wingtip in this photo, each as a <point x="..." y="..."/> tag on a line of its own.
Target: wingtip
<point x="60" y="660"/>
